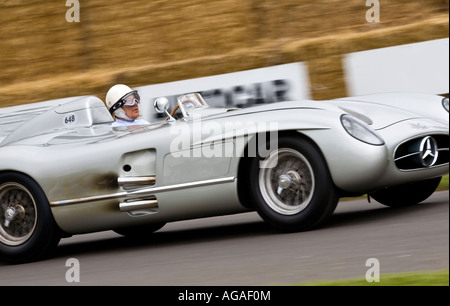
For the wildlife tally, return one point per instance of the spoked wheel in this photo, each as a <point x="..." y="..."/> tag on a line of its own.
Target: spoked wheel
<point x="288" y="187"/>
<point x="292" y="188"/>
<point x="18" y="214"/>
<point x="27" y="228"/>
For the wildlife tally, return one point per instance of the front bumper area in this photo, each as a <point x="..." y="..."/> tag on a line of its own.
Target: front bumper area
<point x="374" y="167"/>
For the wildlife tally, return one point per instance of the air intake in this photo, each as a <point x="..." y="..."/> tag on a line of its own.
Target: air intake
<point x="423" y="152"/>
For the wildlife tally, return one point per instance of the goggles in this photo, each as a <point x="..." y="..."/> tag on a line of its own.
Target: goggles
<point x="128" y="100"/>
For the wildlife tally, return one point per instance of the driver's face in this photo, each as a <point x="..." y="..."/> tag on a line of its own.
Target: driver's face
<point x="131" y="111"/>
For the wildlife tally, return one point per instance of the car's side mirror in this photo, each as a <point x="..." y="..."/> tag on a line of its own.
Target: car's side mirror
<point x="161" y="106"/>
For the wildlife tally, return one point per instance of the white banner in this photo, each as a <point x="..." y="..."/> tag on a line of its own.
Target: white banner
<point x="237" y="89"/>
<point x="420" y="67"/>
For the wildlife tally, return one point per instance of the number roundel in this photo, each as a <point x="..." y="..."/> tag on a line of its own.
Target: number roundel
<point x="70" y="119"/>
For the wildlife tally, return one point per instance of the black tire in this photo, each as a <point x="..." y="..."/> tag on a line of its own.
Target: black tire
<point x="407" y="194"/>
<point x="297" y="194"/>
<point x="32" y="233"/>
<point x="140" y="231"/>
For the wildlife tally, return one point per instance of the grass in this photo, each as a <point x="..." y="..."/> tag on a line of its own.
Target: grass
<point x="428" y="278"/>
<point x="444" y="184"/>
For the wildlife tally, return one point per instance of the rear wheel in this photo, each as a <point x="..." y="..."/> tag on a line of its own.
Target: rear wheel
<point x="28" y="231"/>
<point x="407" y="194"/>
<point x="291" y="188"/>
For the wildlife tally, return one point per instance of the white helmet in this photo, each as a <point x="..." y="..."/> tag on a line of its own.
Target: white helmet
<point x="116" y="97"/>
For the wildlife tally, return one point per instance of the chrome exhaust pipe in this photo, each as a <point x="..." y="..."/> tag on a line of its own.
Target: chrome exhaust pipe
<point x="138" y="205"/>
<point x="136" y="181"/>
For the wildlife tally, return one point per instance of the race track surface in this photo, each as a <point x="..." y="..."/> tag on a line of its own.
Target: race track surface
<point x="242" y="250"/>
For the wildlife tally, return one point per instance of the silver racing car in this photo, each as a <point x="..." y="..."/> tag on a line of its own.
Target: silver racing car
<point x="64" y="170"/>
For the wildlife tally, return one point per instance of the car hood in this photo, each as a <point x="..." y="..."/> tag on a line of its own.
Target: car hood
<point x="377" y="115"/>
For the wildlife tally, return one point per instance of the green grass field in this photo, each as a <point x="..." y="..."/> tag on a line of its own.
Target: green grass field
<point x="428" y="278"/>
<point x="444" y="184"/>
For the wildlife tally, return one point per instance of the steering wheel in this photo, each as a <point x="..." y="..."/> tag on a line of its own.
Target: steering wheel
<point x="172" y="113"/>
<point x="174" y="110"/>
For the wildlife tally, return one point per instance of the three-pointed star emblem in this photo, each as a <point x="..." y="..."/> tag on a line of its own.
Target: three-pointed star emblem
<point x="428" y="151"/>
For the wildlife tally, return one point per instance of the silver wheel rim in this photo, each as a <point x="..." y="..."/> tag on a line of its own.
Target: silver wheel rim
<point x="17" y="214"/>
<point x="288" y="187"/>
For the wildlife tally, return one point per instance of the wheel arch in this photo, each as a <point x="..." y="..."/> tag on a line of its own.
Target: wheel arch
<point x="12" y="171"/>
<point x="243" y="173"/>
<point x="35" y="241"/>
<point x="28" y="176"/>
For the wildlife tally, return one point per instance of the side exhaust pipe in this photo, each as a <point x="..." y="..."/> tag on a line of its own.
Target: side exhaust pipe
<point x="138" y="205"/>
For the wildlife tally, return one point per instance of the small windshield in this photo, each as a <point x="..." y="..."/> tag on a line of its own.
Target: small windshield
<point x="191" y="101"/>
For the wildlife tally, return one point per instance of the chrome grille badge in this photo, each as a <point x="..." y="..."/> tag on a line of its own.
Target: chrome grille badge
<point x="428" y="151"/>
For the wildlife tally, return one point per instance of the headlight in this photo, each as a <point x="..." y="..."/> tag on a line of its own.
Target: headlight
<point x="361" y="130"/>
<point x="445" y="104"/>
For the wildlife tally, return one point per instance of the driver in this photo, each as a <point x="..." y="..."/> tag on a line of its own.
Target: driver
<point x="123" y="104"/>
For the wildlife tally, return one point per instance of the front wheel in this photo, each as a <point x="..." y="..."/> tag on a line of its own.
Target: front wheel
<point x="292" y="188"/>
<point x="28" y="231"/>
<point x="406" y="194"/>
